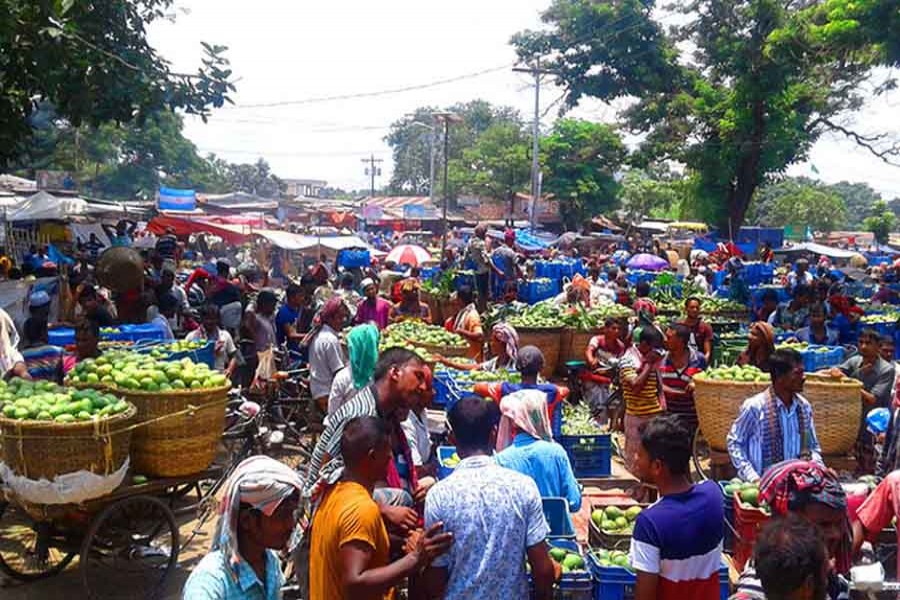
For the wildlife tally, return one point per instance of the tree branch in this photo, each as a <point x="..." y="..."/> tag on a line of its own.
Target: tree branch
<point x="867" y="141"/>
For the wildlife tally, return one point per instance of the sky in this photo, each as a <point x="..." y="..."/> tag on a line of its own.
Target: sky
<point x="304" y="53"/>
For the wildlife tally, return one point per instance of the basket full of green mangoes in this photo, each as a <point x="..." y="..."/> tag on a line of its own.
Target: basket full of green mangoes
<point x="433" y="339"/>
<point x="611" y="526"/>
<point x="47" y="430"/>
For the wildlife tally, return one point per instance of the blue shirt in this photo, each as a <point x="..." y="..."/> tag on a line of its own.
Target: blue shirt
<point x="123" y="240"/>
<point x="286" y="316"/>
<point x="746" y="436"/>
<point x="495" y="515"/>
<point x="547" y="464"/>
<point x="211" y="580"/>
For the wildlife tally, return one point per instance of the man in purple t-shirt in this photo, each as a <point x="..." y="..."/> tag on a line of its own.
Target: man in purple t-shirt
<point x="372" y="309"/>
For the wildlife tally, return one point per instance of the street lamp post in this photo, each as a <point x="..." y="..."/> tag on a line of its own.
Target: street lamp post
<point x="433" y="131"/>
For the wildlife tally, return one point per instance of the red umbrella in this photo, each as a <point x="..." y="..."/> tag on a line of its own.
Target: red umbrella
<point x="408" y="254"/>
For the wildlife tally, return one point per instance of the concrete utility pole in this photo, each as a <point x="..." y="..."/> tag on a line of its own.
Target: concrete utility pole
<point x="371" y="170"/>
<point x="433" y="149"/>
<point x="446" y="118"/>
<point x="535" y="71"/>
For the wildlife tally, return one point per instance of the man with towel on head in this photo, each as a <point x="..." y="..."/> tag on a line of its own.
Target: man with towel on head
<point x="256" y="519"/>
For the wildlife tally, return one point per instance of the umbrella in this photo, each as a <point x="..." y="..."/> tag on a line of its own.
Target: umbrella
<point x="408" y="254"/>
<point x="647" y="262"/>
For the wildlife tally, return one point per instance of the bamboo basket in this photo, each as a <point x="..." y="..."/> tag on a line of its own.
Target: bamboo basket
<point x="435" y="305"/>
<point x="46" y="449"/>
<point x="548" y="340"/>
<point x="718" y="403"/>
<point x="166" y="444"/>
<point x="572" y="344"/>
<point x="836" y="405"/>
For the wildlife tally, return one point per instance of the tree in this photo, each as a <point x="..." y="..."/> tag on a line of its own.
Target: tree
<point x="411" y="143"/>
<point x="644" y="193"/>
<point x="799" y="202"/>
<point x="256" y="178"/>
<point x="732" y="93"/>
<point x="579" y="160"/>
<point x="498" y="165"/>
<point x="881" y="222"/>
<point x="92" y="60"/>
<point x="859" y="199"/>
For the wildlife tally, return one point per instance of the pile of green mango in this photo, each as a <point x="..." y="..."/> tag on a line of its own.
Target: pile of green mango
<point x="452" y="461"/>
<point x="419" y="332"/>
<point x="747" y="492"/>
<point x="165" y="350"/>
<point x="543" y="315"/>
<point x="735" y="373"/>
<point x="465" y="377"/>
<point x="612" y="558"/>
<point x="23" y="400"/>
<point x="141" y="372"/>
<point x="568" y="561"/>
<point x="613" y="519"/>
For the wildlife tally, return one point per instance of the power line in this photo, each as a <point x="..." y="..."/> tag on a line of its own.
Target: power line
<point x="282" y="154"/>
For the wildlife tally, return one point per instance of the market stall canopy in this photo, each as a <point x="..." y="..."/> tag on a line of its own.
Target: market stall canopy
<point x="295" y="241"/>
<point x="647" y="262"/>
<point x="409" y="254"/>
<point x="231" y="234"/>
<point x="43" y="206"/>
<point x="815" y="248"/>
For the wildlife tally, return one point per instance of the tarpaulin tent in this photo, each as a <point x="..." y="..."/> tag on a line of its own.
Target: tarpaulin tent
<point x="814" y="248"/>
<point x="295" y="241"/>
<point x="43" y="206"/>
<point x="231" y="234"/>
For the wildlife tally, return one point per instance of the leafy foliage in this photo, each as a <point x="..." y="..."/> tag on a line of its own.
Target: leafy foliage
<point x="579" y="160"/>
<point x="881" y="222"/>
<point x="655" y="194"/>
<point x="793" y="202"/>
<point x="92" y="60"/>
<point x="732" y="92"/>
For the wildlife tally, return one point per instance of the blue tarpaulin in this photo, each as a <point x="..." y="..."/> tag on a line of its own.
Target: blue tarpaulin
<point x="172" y="199"/>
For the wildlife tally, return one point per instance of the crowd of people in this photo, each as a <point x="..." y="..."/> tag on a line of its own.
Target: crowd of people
<point x="375" y="514"/>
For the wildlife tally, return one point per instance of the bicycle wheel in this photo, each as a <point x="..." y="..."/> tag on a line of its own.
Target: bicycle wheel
<point x="131" y="545"/>
<point x="700" y="457"/>
<point x="31" y="550"/>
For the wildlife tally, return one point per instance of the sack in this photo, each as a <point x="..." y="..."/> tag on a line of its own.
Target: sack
<point x="266" y="368"/>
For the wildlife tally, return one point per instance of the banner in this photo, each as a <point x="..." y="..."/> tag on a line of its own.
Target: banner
<point x="172" y="199"/>
<point x="418" y="211"/>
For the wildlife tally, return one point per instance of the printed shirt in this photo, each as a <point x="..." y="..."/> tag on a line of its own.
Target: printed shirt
<point x="495" y="510"/>
<point x="212" y="580"/>
<point x="376" y="313"/>
<point x="746" y="436"/>
<point x="680" y="539"/>
<point x="644" y="402"/>
<point x="347" y="514"/>
<point x="546" y="463"/>
<point x="477" y="253"/>
<point x="681" y="403"/>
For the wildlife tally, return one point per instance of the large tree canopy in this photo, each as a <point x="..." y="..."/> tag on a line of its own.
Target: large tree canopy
<point x="798" y="202"/>
<point x="579" y="160"/>
<point x="92" y="61"/>
<point x="737" y="92"/>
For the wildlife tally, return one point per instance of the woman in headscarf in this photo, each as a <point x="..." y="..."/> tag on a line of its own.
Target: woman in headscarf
<point x="409" y="306"/>
<point x="504" y="346"/>
<point x="810" y="490"/>
<point x="256" y="520"/>
<point x="362" y="346"/>
<point x="760" y="346"/>
<point x="525" y="444"/>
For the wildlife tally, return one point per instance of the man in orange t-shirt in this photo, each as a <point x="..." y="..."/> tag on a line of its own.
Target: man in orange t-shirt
<point x="350" y="548"/>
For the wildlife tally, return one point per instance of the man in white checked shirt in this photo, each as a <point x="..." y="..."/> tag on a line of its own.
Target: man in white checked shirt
<point x="775" y="425"/>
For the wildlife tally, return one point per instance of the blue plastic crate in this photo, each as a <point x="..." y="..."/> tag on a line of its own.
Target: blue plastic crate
<point x="814" y="360"/>
<point x="61" y="336"/>
<point x="462" y="279"/>
<point x="354" y="258"/>
<point x="446" y="390"/>
<point x="728" y="508"/>
<point x="536" y="290"/>
<point x="617" y="583"/>
<point x="443" y="453"/>
<point x="556" y="420"/>
<point x="141" y="332"/>
<point x="556" y="511"/>
<point x="571" y="586"/>
<point x="589" y="455"/>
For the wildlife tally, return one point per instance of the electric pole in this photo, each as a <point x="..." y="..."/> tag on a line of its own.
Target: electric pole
<point x="535" y="71"/>
<point x="371" y="170"/>
<point x="446" y="118"/>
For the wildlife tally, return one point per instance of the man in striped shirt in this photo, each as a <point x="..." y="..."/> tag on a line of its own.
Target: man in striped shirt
<point x="641" y="388"/>
<point x="676" y="548"/>
<point x="775" y="425"/>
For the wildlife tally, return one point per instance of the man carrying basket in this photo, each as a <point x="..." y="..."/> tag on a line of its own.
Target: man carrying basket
<point x="776" y="424"/>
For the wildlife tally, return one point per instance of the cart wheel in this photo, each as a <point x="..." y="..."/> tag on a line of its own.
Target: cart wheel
<point x="30" y="550"/>
<point x="700" y="456"/>
<point x="131" y="545"/>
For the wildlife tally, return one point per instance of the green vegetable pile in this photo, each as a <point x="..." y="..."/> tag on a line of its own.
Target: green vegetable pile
<point x="568" y="561"/>
<point x="391" y="338"/>
<point x="541" y="315"/>
<point x="614" y="519"/>
<point x="464" y="377"/>
<point x="444" y="286"/>
<point x="45" y="401"/>
<point x="886" y="317"/>
<point x="577" y="420"/>
<point x="612" y="558"/>
<point x="582" y="319"/>
<point x="165" y="350"/>
<point x="709" y="305"/>
<point x="131" y="371"/>
<point x="735" y="373"/>
<point x="419" y="332"/>
<point x="801" y="347"/>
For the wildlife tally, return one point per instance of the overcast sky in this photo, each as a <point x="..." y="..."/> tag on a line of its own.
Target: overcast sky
<point x="285" y="51"/>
